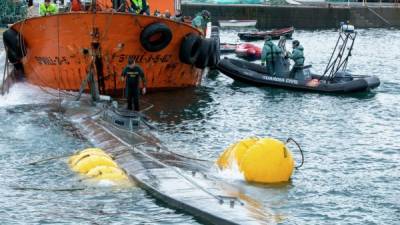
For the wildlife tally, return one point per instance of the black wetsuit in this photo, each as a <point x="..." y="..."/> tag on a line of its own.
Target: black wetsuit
<point x="133" y="75"/>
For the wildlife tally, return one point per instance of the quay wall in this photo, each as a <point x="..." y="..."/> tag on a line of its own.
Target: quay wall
<point x="312" y="17"/>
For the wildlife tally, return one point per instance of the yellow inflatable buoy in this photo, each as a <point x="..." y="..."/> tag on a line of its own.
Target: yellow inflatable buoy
<point x="234" y="153"/>
<point x="97" y="164"/>
<point x="90" y="162"/>
<point x="85" y="153"/>
<point x="107" y="172"/>
<point x="267" y="161"/>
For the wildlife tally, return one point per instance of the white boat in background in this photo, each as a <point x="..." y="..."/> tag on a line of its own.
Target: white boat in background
<point x="293" y="2"/>
<point x="237" y="23"/>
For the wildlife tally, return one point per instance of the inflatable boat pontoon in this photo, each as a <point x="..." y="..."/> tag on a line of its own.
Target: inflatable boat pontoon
<point x="303" y="80"/>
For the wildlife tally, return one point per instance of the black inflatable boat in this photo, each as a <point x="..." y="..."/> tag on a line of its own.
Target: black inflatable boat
<point x="303" y="80"/>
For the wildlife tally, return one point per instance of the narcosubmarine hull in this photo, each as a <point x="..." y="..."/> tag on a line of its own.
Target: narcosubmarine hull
<point x="180" y="182"/>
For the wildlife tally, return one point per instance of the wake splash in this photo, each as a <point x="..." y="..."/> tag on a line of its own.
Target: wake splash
<point x="2" y="65"/>
<point x="231" y="174"/>
<point x="23" y="93"/>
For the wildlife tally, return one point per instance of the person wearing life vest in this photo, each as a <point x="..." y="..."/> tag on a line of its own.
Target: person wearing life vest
<point x="76" y="5"/>
<point x="132" y="73"/>
<point x="47" y="8"/>
<point x="140" y="7"/>
<point x="297" y="56"/>
<point x="201" y="20"/>
<point x="269" y="54"/>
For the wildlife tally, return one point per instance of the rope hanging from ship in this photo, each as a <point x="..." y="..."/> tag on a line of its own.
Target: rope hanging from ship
<point x="58" y="64"/>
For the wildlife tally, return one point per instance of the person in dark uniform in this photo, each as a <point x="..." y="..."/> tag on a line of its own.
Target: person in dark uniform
<point x="269" y="54"/>
<point x="297" y="56"/>
<point x="133" y="73"/>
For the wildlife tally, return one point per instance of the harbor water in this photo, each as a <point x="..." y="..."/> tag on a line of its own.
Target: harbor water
<point x="351" y="173"/>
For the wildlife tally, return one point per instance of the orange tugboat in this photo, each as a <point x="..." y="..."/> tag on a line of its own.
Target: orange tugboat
<point x="67" y="50"/>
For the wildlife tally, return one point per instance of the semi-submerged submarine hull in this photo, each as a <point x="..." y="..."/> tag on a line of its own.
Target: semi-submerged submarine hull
<point x="180" y="182"/>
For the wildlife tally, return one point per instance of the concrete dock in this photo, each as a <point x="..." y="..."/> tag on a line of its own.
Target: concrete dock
<point x="324" y="16"/>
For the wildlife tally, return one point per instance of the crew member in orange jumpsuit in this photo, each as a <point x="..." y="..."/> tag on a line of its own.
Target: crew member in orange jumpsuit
<point x="76" y="5"/>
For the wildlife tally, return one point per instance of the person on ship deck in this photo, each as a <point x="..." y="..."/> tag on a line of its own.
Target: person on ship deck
<point x="178" y="16"/>
<point x="140" y="7"/>
<point x="201" y="20"/>
<point x="76" y="5"/>
<point x="167" y="14"/>
<point x="47" y="8"/>
<point x="102" y="5"/>
<point x="157" y="13"/>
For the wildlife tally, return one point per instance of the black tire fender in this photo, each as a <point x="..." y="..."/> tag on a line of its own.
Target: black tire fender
<point x="155" y="37"/>
<point x="204" y="54"/>
<point x="189" y="50"/>
<point x="215" y="29"/>
<point x="14" y="44"/>
<point x="214" y="54"/>
<point x="211" y="56"/>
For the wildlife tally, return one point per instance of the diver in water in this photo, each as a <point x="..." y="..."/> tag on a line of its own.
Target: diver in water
<point x="133" y="73"/>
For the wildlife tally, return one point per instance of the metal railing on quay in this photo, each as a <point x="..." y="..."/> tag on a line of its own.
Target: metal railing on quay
<point x="322" y="3"/>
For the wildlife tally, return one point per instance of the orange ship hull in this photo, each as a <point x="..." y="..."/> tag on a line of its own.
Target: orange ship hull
<point x="57" y="51"/>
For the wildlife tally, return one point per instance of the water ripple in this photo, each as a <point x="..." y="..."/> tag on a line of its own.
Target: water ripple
<point x="351" y="145"/>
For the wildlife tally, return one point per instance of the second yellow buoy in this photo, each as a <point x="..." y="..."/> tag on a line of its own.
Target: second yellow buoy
<point x="265" y="160"/>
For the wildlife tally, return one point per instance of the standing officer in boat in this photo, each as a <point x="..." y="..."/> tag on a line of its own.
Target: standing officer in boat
<point x="269" y="53"/>
<point x="47" y="8"/>
<point x="297" y="56"/>
<point x="133" y="73"/>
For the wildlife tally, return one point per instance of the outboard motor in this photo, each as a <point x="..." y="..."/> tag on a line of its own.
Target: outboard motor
<point x="304" y="73"/>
